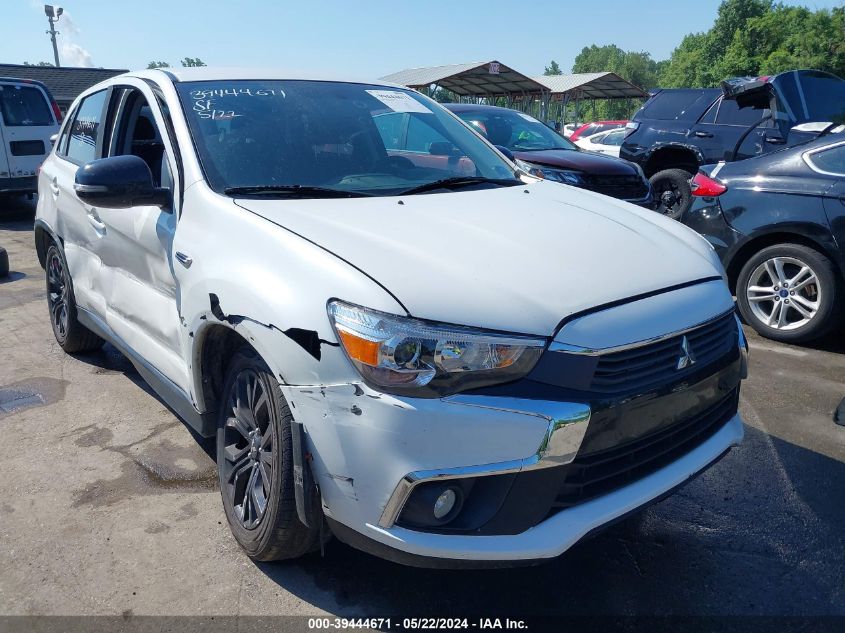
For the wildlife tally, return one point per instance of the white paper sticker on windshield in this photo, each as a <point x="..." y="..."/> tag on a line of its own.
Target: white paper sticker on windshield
<point x="527" y="117"/>
<point x="398" y="101"/>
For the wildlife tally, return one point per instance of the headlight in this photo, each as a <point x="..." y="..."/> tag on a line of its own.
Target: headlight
<point x="549" y="173"/>
<point x="413" y="357"/>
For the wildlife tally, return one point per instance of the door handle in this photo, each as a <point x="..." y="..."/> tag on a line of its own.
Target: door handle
<point x="95" y="221"/>
<point x="701" y="134"/>
<point x="774" y="140"/>
<point x="184" y="259"/>
<point x="54" y="187"/>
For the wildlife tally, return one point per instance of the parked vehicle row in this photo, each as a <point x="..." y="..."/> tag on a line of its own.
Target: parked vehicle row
<point x="395" y="335"/>
<point x="677" y="131"/>
<point x="604" y="142"/>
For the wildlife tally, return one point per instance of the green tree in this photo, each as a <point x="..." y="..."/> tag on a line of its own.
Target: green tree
<point x="754" y="37"/>
<point x="553" y="69"/>
<point x="158" y="65"/>
<point x="637" y="67"/>
<point x="190" y="62"/>
<point x="38" y="64"/>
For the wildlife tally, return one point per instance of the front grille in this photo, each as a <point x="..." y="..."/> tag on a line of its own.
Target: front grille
<point x="623" y="187"/>
<point x="640" y="368"/>
<point x="597" y="473"/>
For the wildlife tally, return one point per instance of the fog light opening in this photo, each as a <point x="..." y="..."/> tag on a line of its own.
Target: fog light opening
<point x="448" y="504"/>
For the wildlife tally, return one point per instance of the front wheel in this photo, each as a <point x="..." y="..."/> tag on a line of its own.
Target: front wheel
<point x="789" y="292"/>
<point x="255" y="463"/>
<point x="672" y="192"/>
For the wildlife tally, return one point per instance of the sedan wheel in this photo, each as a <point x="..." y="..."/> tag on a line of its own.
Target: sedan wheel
<point x="784" y="293"/>
<point x="789" y="292"/>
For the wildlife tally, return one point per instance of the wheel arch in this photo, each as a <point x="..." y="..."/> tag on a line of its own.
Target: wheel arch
<point x="44" y="234"/>
<point x="759" y="242"/>
<point x="674" y="156"/>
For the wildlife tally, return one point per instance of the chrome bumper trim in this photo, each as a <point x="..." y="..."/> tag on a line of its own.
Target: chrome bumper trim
<point x="567" y="424"/>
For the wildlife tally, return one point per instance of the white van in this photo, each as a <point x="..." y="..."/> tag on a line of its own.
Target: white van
<point x="28" y="118"/>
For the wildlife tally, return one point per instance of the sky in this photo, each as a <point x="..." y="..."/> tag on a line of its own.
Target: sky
<point x="368" y="38"/>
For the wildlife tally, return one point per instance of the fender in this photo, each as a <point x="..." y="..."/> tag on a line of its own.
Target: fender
<point x="42" y="227"/>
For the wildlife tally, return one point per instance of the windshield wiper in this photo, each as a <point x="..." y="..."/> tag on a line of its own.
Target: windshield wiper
<point x="303" y="191"/>
<point x="456" y="182"/>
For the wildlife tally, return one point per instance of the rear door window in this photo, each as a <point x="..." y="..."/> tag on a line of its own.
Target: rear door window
<point x="731" y="114"/>
<point x="24" y="106"/>
<point x="670" y="105"/>
<point x="85" y="129"/>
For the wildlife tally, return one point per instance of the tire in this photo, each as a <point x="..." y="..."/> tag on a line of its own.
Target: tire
<point x="672" y="192"/>
<point x="253" y="449"/>
<point x="4" y="262"/>
<point x="780" y="312"/>
<point x="70" y="334"/>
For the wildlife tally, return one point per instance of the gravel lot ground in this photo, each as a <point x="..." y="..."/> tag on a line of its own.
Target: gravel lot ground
<point x="109" y="505"/>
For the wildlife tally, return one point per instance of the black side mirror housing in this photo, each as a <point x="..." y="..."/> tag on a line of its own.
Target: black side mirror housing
<point x="504" y="150"/>
<point x="119" y="182"/>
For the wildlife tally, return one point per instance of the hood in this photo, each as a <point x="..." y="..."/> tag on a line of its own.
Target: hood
<point x="589" y="162"/>
<point x="517" y="259"/>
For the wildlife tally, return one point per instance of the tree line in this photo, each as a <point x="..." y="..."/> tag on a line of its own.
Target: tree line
<point x="749" y="37"/>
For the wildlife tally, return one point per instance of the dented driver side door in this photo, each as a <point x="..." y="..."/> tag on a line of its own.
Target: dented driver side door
<point x="135" y="245"/>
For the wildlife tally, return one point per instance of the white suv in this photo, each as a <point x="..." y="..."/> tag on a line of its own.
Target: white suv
<point x="389" y="328"/>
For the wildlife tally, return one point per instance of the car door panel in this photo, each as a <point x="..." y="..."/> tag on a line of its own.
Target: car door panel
<point x="83" y="143"/>
<point x="136" y="266"/>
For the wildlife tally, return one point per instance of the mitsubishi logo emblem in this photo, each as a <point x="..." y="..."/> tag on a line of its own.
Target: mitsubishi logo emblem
<point x="687" y="358"/>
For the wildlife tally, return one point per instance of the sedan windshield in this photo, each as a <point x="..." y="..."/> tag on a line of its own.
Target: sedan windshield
<point x="517" y="131"/>
<point x="315" y="139"/>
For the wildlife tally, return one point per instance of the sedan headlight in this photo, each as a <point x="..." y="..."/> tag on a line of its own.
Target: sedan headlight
<point x="413" y="357"/>
<point x="565" y="176"/>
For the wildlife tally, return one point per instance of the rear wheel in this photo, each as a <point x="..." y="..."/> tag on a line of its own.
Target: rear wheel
<point x="70" y="334"/>
<point x="790" y="293"/>
<point x="255" y="464"/>
<point x="672" y="192"/>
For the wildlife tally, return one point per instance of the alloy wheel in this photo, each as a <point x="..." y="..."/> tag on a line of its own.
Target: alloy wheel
<point x="57" y="295"/>
<point x="784" y="293"/>
<point x="248" y="449"/>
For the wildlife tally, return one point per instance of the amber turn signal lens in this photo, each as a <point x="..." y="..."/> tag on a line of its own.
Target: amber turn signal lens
<point x="359" y="348"/>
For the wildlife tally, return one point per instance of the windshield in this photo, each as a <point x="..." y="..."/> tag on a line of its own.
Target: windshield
<point x="515" y="130"/>
<point x="260" y="137"/>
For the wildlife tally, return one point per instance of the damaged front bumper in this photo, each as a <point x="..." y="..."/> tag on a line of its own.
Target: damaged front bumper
<point x="371" y="452"/>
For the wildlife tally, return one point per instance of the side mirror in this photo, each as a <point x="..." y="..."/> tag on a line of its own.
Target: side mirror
<point x="53" y="139"/>
<point x="504" y="150"/>
<point x="118" y="182"/>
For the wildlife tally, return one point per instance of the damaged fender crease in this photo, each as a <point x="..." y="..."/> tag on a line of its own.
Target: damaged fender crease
<point x="308" y="340"/>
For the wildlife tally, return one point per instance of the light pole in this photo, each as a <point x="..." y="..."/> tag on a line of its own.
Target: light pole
<point x="53" y="14"/>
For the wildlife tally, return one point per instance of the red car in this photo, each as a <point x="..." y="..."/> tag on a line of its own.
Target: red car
<point x="588" y="129"/>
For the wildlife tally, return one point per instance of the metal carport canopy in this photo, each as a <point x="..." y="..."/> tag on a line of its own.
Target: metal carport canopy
<point x="476" y="79"/>
<point x="590" y="86"/>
